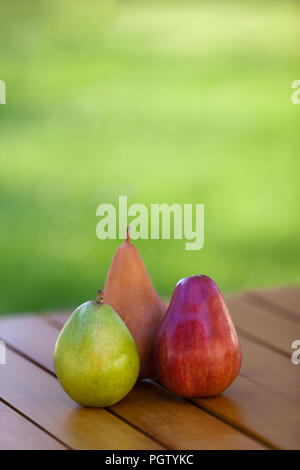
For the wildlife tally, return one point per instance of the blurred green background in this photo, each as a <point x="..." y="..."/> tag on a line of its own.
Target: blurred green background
<point x="181" y="101"/>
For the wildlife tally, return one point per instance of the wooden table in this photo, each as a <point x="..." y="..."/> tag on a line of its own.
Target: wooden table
<point x="260" y="410"/>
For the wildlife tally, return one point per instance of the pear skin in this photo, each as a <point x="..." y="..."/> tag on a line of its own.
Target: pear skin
<point x="129" y="290"/>
<point x="96" y="359"/>
<point x="197" y="351"/>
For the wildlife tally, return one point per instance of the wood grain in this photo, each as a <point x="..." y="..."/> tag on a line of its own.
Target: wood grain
<point x="271" y="370"/>
<point x="267" y="367"/>
<point x="148" y="407"/>
<point x="259" y="412"/>
<point x="177" y="423"/>
<point x="273" y="374"/>
<point x="263" y="402"/>
<point x="17" y="433"/>
<point x="283" y="301"/>
<point x="32" y="336"/>
<point x="262" y="325"/>
<point x="38" y="395"/>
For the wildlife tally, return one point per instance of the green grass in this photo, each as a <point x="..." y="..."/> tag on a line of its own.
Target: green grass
<point x="179" y="101"/>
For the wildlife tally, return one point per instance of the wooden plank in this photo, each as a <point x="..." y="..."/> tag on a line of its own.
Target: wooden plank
<point x="262" y="325"/>
<point x="271" y="370"/>
<point x="17" y="433"/>
<point x="32" y="336"/>
<point x="259" y="412"/>
<point x="177" y="423"/>
<point x="38" y="395"/>
<point x="268" y="368"/>
<point x="284" y="301"/>
<point x="151" y="412"/>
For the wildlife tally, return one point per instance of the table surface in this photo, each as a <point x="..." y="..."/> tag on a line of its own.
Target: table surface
<point x="260" y="410"/>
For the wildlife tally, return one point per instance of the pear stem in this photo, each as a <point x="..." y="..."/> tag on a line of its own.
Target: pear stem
<point x="128" y="235"/>
<point x="100" y="297"/>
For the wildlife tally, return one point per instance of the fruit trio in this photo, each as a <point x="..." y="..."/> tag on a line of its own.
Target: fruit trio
<point x="192" y="347"/>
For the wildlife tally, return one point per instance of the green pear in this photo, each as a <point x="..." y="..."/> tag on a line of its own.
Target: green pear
<point x="96" y="359"/>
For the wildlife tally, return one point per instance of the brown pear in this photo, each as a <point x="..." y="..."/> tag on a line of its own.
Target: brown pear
<point x="129" y="290"/>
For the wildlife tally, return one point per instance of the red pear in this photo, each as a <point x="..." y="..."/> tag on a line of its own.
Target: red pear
<point x="129" y="290"/>
<point x="197" y="351"/>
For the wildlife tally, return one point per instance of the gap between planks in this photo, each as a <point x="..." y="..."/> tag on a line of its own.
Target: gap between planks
<point x="19" y="433"/>
<point x="284" y="302"/>
<point x="262" y="326"/>
<point x="285" y="322"/>
<point x="28" y="419"/>
<point x="220" y="429"/>
<point x="57" y="320"/>
<point x="202" y="403"/>
<point x="51" y="372"/>
<point x="248" y="432"/>
<point x="211" y="430"/>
